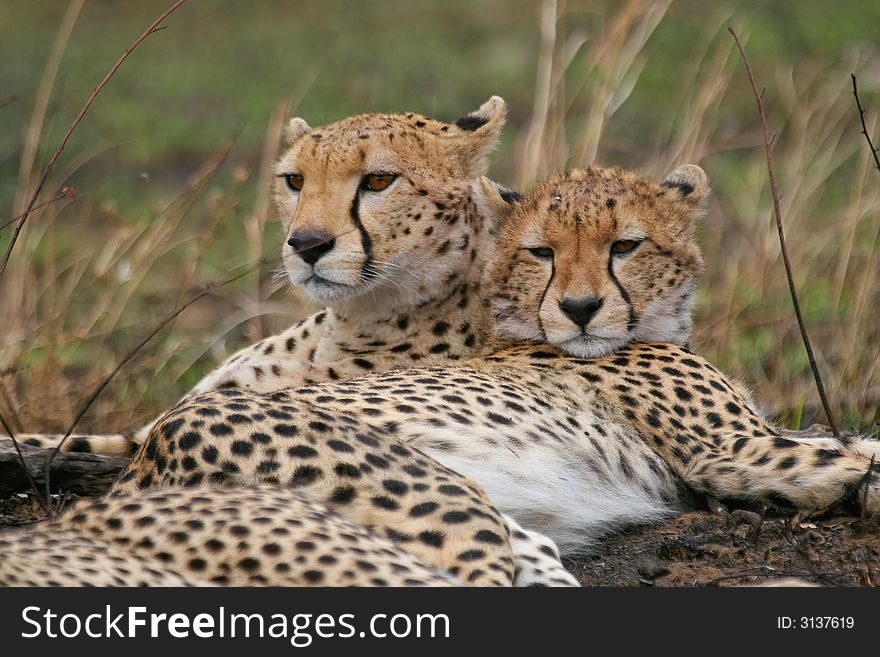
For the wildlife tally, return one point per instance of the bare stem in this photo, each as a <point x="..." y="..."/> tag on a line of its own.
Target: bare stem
<point x="862" y="119"/>
<point x="154" y="27"/>
<point x="24" y="465"/>
<point x="131" y="354"/>
<point x="64" y="193"/>
<point x="759" y="99"/>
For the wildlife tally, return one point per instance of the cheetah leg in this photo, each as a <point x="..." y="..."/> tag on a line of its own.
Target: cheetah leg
<point x="536" y="558"/>
<point x="775" y="468"/>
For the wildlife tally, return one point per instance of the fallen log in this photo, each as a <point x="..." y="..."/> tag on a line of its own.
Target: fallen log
<point x="71" y="472"/>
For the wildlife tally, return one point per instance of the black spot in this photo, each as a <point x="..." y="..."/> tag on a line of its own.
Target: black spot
<point x="414" y="471"/>
<point x="683" y="187"/>
<point x="384" y="502"/>
<point x="302" y="451"/>
<point x="170" y="428"/>
<point x="376" y="461"/>
<point x="432" y="538"/>
<point x="286" y="430"/>
<point x="340" y="446"/>
<point x="471" y="555"/>
<point x="485" y="536"/>
<point x="423" y="509"/>
<point x="455" y="517"/>
<point x="220" y="429"/>
<point x="313" y="576"/>
<point x="304" y="475"/>
<point x="510" y="196"/>
<point x="395" y="486"/>
<point x="451" y="490"/>
<point x="241" y="448"/>
<point x="189" y="440"/>
<point x="343" y="495"/>
<point x="471" y="122"/>
<point x="347" y="470"/>
<point x="610" y="203"/>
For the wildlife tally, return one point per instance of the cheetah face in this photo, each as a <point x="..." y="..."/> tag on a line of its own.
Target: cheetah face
<point x="380" y="206"/>
<point x="593" y="259"/>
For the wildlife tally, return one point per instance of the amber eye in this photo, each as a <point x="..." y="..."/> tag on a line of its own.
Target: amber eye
<point x="294" y="181"/>
<point x="543" y="252"/>
<point x="377" y="182"/>
<point x="621" y="247"/>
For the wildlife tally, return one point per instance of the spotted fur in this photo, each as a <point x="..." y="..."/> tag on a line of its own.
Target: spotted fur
<point x="567" y="446"/>
<point x="200" y="536"/>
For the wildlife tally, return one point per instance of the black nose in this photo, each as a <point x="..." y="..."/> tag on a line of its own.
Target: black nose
<point x="582" y="310"/>
<point x="310" y="245"/>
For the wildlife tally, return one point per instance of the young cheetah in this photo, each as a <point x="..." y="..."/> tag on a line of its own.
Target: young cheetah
<point x="385" y="227"/>
<point x="568" y="446"/>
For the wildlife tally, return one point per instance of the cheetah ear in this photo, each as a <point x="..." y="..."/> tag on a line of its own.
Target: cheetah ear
<point x="494" y="201"/>
<point x="479" y="132"/>
<point x="688" y="180"/>
<point x="296" y="129"/>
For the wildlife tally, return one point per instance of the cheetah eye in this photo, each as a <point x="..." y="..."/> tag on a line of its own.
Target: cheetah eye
<point x="543" y="252"/>
<point x="294" y="181"/>
<point x="622" y="247"/>
<point x="377" y="182"/>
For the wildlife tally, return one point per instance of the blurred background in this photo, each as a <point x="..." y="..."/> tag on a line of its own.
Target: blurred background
<point x="164" y="185"/>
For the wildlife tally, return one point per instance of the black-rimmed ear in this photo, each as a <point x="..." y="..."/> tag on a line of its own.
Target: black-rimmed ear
<point x="689" y="180"/>
<point x="479" y="131"/>
<point x="494" y="201"/>
<point x="296" y="128"/>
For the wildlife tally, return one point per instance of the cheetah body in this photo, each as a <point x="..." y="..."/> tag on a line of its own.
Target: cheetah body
<point x="568" y="446"/>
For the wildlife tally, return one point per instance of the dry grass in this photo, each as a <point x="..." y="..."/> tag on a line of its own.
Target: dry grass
<point x="89" y="279"/>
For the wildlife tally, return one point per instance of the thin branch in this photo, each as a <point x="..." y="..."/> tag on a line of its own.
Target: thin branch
<point x="131" y="354"/>
<point x="778" y="216"/>
<point x="66" y="192"/>
<point x="8" y="101"/>
<point x="862" y="118"/>
<point x="24" y="466"/>
<point x="79" y="117"/>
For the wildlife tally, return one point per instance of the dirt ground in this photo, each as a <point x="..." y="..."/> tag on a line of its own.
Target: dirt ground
<point x="737" y="548"/>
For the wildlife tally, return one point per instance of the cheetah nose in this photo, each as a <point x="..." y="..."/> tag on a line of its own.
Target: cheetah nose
<point x="310" y="245"/>
<point x="582" y="310"/>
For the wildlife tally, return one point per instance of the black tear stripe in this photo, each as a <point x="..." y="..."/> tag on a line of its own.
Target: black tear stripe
<point x="367" y="271"/>
<point x="544" y="294"/>
<point x="631" y="322"/>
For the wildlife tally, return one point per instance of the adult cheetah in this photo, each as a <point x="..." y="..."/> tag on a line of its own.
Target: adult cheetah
<point x="566" y="445"/>
<point x="385" y="226"/>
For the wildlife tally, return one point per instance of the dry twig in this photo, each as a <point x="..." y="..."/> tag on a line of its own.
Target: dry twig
<point x="66" y="192"/>
<point x="131" y="354"/>
<point x="154" y="27"/>
<point x="855" y="86"/>
<point x="768" y="143"/>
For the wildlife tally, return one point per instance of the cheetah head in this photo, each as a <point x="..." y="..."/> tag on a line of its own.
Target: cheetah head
<point x="381" y="205"/>
<point x="593" y="259"/>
